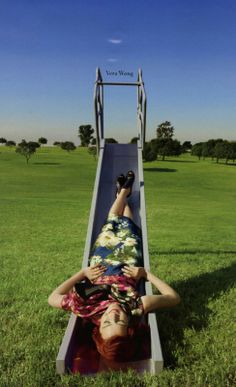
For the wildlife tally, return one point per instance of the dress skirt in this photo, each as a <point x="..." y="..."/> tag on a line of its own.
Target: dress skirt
<point x="118" y="244"/>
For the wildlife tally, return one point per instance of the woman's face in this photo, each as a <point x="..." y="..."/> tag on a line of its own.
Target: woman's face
<point x="114" y="322"/>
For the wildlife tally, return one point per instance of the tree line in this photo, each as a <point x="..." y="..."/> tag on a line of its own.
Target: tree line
<point x="163" y="145"/>
<point x="160" y="147"/>
<point x="28" y="148"/>
<point x="216" y="149"/>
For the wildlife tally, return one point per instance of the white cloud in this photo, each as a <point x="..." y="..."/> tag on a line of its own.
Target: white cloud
<point x="112" y="60"/>
<point x="115" y="41"/>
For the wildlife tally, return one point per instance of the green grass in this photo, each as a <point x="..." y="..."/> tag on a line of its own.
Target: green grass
<point x="191" y="215"/>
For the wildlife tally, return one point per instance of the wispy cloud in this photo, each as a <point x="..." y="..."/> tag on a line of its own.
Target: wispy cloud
<point x="115" y="41"/>
<point x="112" y="60"/>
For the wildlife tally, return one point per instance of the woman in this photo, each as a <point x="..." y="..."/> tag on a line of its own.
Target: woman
<point x="116" y="260"/>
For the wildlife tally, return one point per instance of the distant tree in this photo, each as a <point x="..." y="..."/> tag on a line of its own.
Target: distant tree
<point x="222" y="151"/>
<point x="208" y="148"/>
<point x="170" y="148"/>
<point x="26" y="149"/>
<point x="164" y="150"/>
<point x="175" y="148"/>
<point x="85" y="134"/>
<point x="166" y="147"/>
<point x="134" y="140"/>
<point x="93" y="141"/>
<point x="34" y="144"/>
<point x="157" y="144"/>
<point x="56" y="143"/>
<point x="2" y="140"/>
<point x="232" y="151"/>
<point x="68" y="146"/>
<point x="218" y="140"/>
<point x="197" y="149"/>
<point x="10" y="143"/>
<point x="149" y="153"/>
<point x="165" y="130"/>
<point x="186" y="146"/>
<point x="42" y="140"/>
<point x="211" y="147"/>
<point x="111" y="141"/>
<point x="92" y="150"/>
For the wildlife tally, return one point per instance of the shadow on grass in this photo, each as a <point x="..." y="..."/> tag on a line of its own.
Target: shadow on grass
<point x="45" y="163"/>
<point x="192" y="312"/>
<point x="178" y="161"/>
<point x="193" y="251"/>
<point x="160" y="170"/>
<point x="230" y="164"/>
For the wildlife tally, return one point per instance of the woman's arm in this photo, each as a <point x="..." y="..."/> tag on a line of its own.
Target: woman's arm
<point x="168" y="297"/>
<point x="57" y="295"/>
<point x="55" y="298"/>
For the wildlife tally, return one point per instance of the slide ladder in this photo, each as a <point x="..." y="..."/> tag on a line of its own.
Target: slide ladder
<point x="78" y="352"/>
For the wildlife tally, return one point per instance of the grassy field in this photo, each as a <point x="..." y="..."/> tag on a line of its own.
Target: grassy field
<point x="191" y="215"/>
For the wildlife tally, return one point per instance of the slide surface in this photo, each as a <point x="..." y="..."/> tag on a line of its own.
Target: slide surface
<point x="78" y="352"/>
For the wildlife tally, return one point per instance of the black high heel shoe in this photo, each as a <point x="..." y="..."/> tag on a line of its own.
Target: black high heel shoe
<point x="119" y="183"/>
<point x="130" y="177"/>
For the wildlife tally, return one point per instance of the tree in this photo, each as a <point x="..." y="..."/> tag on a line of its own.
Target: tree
<point x="206" y="150"/>
<point x="166" y="147"/>
<point x="56" y="143"/>
<point x="174" y="148"/>
<point x="211" y="147"/>
<point x="186" y="146"/>
<point x="165" y="130"/>
<point x="134" y="140"/>
<point x="2" y="140"/>
<point x="149" y="153"/>
<point x="232" y="151"/>
<point x="94" y="141"/>
<point x="85" y="134"/>
<point x="34" y="144"/>
<point x="222" y="151"/>
<point x="111" y="141"/>
<point x="197" y="149"/>
<point x="26" y="149"/>
<point x="68" y="146"/>
<point x="42" y="140"/>
<point x="10" y="143"/>
<point x="92" y="150"/>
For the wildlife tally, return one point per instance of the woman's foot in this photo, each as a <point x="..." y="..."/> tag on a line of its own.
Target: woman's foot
<point x="119" y="183"/>
<point x="129" y="180"/>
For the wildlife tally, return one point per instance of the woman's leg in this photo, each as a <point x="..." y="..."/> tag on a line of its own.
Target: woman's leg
<point x="119" y="204"/>
<point x="127" y="212"/>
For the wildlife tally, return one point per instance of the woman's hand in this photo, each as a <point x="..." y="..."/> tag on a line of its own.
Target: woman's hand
<point x="134" y="272"/>
<point x="93" y="272"/>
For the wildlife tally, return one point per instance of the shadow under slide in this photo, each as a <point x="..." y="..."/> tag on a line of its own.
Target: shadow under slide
<point x="78" y="352"/>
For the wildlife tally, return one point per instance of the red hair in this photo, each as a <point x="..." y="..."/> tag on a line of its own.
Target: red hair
<point x="135" y="346"/>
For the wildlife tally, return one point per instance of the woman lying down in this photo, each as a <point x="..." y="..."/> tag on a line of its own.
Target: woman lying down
<point x="105" y="293"/>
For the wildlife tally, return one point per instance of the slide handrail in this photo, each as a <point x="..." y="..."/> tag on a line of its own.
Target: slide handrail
<point x="99" y="105"/>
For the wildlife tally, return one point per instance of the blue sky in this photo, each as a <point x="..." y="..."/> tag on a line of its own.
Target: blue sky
<point x="49" y="50"/>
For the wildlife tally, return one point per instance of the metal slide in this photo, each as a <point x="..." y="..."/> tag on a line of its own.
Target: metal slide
<point x="78" y="352"/>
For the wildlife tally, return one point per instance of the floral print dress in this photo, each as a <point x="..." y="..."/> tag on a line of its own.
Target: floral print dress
<point x="118" y="244"/>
